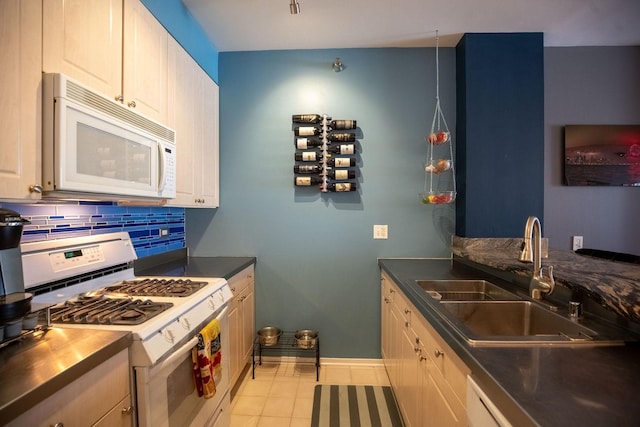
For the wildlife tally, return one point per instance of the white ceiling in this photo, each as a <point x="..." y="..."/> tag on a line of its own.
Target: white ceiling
<point x="241" y="25"/>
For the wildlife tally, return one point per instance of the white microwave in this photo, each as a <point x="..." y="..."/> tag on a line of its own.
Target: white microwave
<point x="96" y="147"/>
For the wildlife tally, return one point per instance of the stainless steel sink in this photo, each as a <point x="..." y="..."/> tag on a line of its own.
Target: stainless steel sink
<point x="515" y="322"/>
<point x="465" y="290"/>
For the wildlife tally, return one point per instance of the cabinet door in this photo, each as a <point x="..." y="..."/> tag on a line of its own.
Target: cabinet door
<point x="208" y="153"/>
<point x="21" y="101"/>
<point x="248" y="323"/>
<point x="145" y="66"/>
<point x="193" y="113"/>
<point x="83" y="39"/>
<point x="183" y="95"/>
<point x="235" y="339"/>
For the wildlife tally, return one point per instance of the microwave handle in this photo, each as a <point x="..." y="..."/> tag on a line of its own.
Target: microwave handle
<point x="163" y="168"/>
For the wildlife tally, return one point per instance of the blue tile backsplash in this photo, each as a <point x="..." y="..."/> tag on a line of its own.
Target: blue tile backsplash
<point x="57" y="221"/>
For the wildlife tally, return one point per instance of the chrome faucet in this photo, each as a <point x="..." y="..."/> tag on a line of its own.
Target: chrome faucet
<point x="539" y="284"/>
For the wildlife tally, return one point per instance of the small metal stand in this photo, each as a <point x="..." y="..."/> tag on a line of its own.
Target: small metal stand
<point x="286" y="345"/>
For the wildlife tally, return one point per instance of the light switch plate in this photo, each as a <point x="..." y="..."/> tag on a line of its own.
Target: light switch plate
<point x="380" y="231"/>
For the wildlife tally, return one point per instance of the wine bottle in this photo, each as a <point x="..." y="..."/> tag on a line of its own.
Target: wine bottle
<point x="307" y="131"/>
<point x="341" y="137"/>
<point x="343" y="124"/>
<point x="341" y="162"/>
<point x="342" y="149"/>
<point x="339" y="187"/>
<point x="307" y="169"/>
<point x="307" y="181"/>
<point x="304" y="143"/>
<point x="307" y="118"/>
<point x="341" y="174"/>
<point x="309" y="156"/>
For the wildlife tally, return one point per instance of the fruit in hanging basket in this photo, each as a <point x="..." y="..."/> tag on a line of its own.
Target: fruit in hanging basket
<point x="438" y="166"/>
<point x="442" y="137"/>
<point x="437" y="198"/>
<point x="438" y="138"/>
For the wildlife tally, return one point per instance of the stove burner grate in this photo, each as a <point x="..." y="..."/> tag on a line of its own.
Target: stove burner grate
<point x="157" y="287"/>
<point x="103" y="310"/>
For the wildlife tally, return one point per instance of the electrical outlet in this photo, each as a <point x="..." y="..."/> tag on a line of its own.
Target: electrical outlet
<point x="164" y="232"/>
<point x="380" y="231"/>
<point x="576" y="242"/>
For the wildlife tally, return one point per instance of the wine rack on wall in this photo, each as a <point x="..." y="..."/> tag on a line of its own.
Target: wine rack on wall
<point x="325" y="153"/>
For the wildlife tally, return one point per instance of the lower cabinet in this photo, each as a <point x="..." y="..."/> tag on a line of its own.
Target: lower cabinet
<point x="241" y="321"/>
<point x="428" y="378"/>
<point x="98" y="398"/>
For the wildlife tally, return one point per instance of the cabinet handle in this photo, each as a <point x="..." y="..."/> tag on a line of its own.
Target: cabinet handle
<point x="36" y="188"/>
<point x="119" y="98"/>
<point x="407" y="311"/>
<point x="423" y="358"/>
<point x="406" y="323"/>
<point x="56" y="425"/>
<point x="437" y="353"/>
<point x="132" y="104"/>
<point x="127" y="411"/>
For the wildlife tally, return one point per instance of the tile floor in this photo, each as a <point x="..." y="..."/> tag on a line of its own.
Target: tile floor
<point x="281" y="395"/>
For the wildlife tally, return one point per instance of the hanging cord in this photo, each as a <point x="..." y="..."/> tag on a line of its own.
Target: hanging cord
<point x="441" y="122"/>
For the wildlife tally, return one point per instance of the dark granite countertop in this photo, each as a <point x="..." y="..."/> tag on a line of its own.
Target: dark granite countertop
<point x="178" y="263"/>
<point x="36" y="367"/>
<point x="615" y="285"/>
<point x="533" y="386"/>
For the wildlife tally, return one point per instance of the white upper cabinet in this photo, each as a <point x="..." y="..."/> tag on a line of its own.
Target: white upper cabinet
<point x="83" y="39"/>
<point x="193" y="113"/>
<point x="115" y="47"/>
<point x="21" y="101"/>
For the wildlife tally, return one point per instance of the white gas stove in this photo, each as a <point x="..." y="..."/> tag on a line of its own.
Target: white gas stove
<point x="85" y="259"/>
<point x="91" y="283"/>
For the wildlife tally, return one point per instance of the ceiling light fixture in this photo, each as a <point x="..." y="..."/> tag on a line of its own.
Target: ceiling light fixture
<point x="337" y="65"/>
<point x="294" y="7"/>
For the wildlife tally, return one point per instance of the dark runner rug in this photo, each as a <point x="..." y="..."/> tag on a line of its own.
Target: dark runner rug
<point x="354" y="406"/>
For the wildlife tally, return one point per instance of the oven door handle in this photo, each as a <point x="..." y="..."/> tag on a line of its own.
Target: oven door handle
<point x="178" y="354"/>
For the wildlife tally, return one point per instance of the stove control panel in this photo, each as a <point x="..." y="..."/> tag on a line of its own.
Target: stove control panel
<point x="66" y="259"/>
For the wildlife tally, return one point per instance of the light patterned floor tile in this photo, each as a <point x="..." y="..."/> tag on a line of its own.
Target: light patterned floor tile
<point x="274" y="422"/>
<point x="248" y="405"/>
<point x="244" y="420"/>
<point x="278" y="406"/>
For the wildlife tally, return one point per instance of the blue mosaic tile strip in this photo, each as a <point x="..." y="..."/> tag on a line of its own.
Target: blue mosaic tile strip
<point x="58" y="221"/>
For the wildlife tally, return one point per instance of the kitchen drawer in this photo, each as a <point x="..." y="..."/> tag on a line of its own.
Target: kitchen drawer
<point x="450" y="368"/>
<point x="86" y="400"/>
<point x="240" y="281"/>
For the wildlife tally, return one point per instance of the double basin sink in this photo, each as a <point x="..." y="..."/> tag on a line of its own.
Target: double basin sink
<point x="485" y="314"/>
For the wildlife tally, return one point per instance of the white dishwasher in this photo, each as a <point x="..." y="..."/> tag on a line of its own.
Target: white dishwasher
<point x="481" y="412"/>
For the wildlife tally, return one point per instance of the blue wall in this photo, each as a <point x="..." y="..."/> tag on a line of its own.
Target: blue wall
<point x="182" y="26"/>
<point x="316" y="255"/>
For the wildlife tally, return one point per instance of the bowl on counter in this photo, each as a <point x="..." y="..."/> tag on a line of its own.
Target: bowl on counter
<point x="269" y="335"/>
<point x="306" y="338"/>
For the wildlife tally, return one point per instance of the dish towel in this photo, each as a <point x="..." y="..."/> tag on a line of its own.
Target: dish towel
<point x="206" y="357"/>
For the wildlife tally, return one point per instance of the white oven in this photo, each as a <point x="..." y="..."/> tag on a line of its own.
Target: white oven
<point x="167" y="395"/>
<point x="91" y="282"/>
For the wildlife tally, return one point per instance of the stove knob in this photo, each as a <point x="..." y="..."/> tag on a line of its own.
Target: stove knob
<point x="168" y="335"/>
<point x="185" y="323"/>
